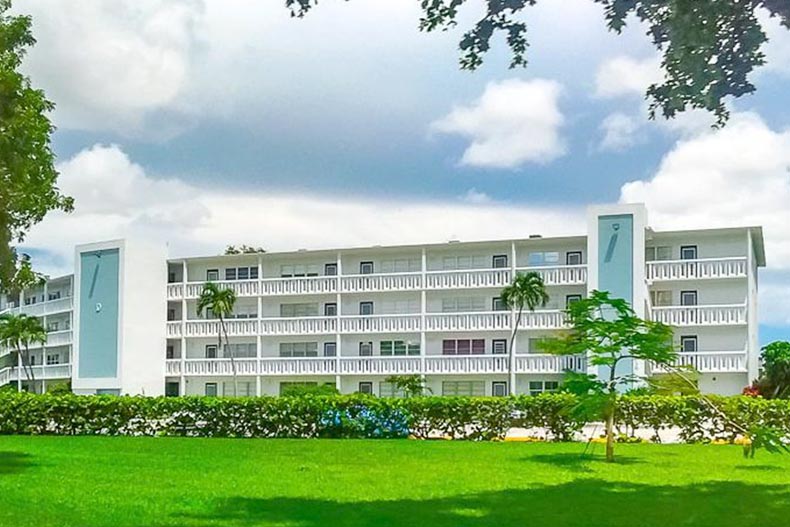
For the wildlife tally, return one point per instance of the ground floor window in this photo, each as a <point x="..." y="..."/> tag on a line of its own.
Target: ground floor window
<point x="388" y="389"/>
<point x="366" y="387"/>
<point x="465" y="388"/>
<point x="499" y="389"/>
<point x="171" y="389"/>
<point x="539" y="387"/>
<point x="246" y="388"/>
<point x="211" y="389"/>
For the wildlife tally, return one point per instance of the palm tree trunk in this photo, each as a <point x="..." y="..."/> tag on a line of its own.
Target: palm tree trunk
<point x="512" y="389"/>
<point x="28" y="368"/>
<point x="230" y="354"/>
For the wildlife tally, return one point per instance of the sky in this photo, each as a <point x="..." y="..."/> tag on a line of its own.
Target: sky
<point x="203" y="123"/>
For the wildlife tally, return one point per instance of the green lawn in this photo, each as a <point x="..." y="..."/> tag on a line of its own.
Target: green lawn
<point x="211" y="482"/>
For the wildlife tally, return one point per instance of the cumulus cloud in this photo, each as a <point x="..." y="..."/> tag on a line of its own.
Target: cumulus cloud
<point x="116" y="198"/>
<point x="625" y="75"/>
<point x="112" y="65"/>
<point x="620" y="131"/>
<point x="512" y="123"/>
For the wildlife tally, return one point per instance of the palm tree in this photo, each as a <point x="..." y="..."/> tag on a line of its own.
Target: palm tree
<point x="19" y="332"/>
<point x="220" y="302"/>
<point x="526" y="290"/>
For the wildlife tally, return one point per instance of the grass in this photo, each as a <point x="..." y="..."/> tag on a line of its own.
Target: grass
<point x="123" y="481"/>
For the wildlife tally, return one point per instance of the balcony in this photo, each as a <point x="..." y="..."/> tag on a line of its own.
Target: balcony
<point x="541" y="363"/>
<point x="40" y="309"/>
<point x="560" y="275"/>
<point x="466" y="364"/>
<point x="408" y="323"/>
<point x="479" y="321"/>
<point x="720" y="315"/>
<point x="299" y="326"/>
<point x="379" y="365"/>
<point x="311" y="285"/>
<point x="711" y="362"/>
<point x="49" y="372"/>
<point x="706" y="269"/>
<point x="364" y="283"/>
<point x="211" y="328"/>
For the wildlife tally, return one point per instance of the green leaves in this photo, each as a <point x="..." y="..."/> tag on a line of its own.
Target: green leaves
<point x="526" y="290"/>
<point x="219" y="300"/>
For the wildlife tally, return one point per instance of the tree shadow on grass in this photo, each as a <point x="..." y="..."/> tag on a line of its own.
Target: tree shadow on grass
<point x="584" y="502"/>
<point x="580" y="462"/>
<point x="14" y="462"/>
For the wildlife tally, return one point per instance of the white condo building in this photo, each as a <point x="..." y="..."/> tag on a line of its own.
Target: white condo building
<point x="126" y="320"/>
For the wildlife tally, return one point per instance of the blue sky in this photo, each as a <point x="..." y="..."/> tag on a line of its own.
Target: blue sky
<point x="202" y="123"/>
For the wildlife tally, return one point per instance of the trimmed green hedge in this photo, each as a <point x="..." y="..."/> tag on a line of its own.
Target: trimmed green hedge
<point x="360" y="416"/>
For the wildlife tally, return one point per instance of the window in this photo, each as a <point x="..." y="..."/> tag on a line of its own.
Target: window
<point x="499" y="346"/>
<point x="243" y="273"/>
<point x="661" y="298"/>
<point x="498" y="304"/>
<point x="330" y="269"/>
<point x="299" y="310"/>
<point x="570" y="299"/>
<point x="401" y="265"/>
<point x="53" y="358"/>
<point x="211" y="351"/>
<point x="688" y="252"/>
<point x="463" y="388"/>
<point x="212" y="275"/>
<point x="254" y="273"/>
<point x="499" y="389"/>
<point x="241" y="350"/>
<point x="539" y="387"/>
<point x="464" y="347"/>
<point x="539" y="259"/>
<point x="211" y="389"/>
<point x="659" y="253"/>
<point x="53" y="326"/>
<point x="536" y="345"/>
<point x="170" y="352"/>
<point x="463" y="304"/>
<point x="688" y="344"/>
<point x="298" y="271"/>
<point x="32" y="360"/>
<point x="171" y="278"/>
<point x="245" y="389"/>
<point x="688" y="298"/>
<point x="366" y="387"/>
<point x="399" y="307"/>
<point x="55" y="296"/>
<point x="365" y="267"/>
<point x="298" y="349"/>
<point x="388" y="389"/>
<point x="230" y="273"/>
<point x="499" y="261"/>
<point x="366" y="308"/>
<point x="573" y="258"/>
<point x="330" y="349"/>
<point x="365" y="349"/>
<point x="171" y="314"/>
<point x="172" y="389"/>
<point x="398" y="348"/>
<point x="330" y="309"/>
<point x="452" y="263"/>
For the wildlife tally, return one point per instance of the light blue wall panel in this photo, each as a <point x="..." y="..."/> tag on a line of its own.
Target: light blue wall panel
<point x="99" y="306"/>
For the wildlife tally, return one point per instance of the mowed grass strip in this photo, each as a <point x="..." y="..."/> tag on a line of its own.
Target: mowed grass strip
<point x="122" y="481"/>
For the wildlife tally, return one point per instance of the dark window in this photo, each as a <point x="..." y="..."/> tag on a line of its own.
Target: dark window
<point x="171" y="278"/>
<point x="366" y="268"/>
<point x="330" y="309"/>
<point x="330" y="269"/>
<point x="211" y="389"/>
<point x="330" y="349"/>
<point x="212" y="275"/>
<point x="464" y="347"/>
<point x="230" y="273"/>
<point x="499" y="389"/>
<point x="499" y="261"/>
<point x="570" y="299"/>
<point x="366" y="387"/>
<point x="448" y="347"/>
<point x="365" y="349"/>
<point x="211" y="351"/>
<point x="366" y="308"/>
<point x="688" y="344"/>
<point x="170" y="353"/>
<point x="171" y="389"/>
<point x="478" y="347"/>
<point x="688" y="298"/>
<point x="573" y="258"/>
<point x="254" y="273"/>
<point x="171" y="314"/>
<point x="688" y="252"/>
<point x="499" y="346"/>
<point x="498" y="304"/>
<point x="243" y="273"/>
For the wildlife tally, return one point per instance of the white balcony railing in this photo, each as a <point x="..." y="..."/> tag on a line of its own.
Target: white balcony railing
<point x="299" y="326"/>
<point x="721" y="315"/>
<point x="311" y="285"/>
<point x="544" y="319"/>
<point x="211" y="328"/>
<point x="381" y="282"/>
<point x="697" y="269"/>
<point x="380" y="324"/>
<point x="711" y="361"/>
<point x="479" y="321"/>
<point x="540" y="363"/>
<point x="52" y="371"/>
<point x="379" y="365"/>
<point x="467" y="279"/>
<point x="560" y="274"/>
<point x="193" y="289"/>
<point x="50" y="307"/>
<point x="466" y="364"/>
<point x="299" y="366"/>
<point x="219" y="367"/>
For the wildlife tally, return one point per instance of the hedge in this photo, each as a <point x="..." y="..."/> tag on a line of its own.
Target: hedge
<point x="362" y="416"/>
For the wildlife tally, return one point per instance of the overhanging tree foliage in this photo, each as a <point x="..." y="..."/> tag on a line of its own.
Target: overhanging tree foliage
<point x="775" y="381"/>
<point x="27" y="165"/>
<point x="709" y="47"/>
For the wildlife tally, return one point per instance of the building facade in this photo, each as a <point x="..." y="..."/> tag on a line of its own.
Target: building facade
<point x="127" y="321"/>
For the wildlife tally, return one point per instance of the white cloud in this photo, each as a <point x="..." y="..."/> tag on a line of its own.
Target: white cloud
<point x="620" y="131"/>
<point x="116" y="198"/>
<point x="624" y="75"/>
<point x="777" y="50"/>
<point x="476" y="197"/>
<point x="512" y="123"/>
<point x="112" y="65"/>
